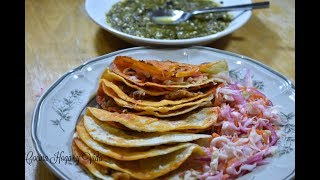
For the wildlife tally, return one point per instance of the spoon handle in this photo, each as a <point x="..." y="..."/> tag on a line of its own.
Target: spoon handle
<point x="258" y="5"/>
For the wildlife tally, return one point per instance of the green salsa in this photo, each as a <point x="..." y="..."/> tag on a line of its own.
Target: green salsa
<point x="133" y="17"/>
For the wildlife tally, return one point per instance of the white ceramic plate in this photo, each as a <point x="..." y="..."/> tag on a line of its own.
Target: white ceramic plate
<point x="97" y="9"/>
<point x="58" y="109"/>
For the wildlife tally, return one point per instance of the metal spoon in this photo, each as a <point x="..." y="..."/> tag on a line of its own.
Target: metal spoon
<point x="172" y="16"/>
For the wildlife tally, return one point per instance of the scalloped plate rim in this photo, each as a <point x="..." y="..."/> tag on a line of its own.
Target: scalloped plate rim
<point x="35" y="114"/>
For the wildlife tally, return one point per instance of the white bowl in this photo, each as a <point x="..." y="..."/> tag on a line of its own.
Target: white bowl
<point x="97" y="9"/>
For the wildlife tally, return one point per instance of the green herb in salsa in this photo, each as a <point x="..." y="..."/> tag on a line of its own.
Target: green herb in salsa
<point x="133" y="17"/>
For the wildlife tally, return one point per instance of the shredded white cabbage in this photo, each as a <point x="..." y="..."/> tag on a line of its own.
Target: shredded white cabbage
<point x="245" y="132"/>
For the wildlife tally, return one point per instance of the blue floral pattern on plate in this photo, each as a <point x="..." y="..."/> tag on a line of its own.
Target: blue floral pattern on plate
<point x="58" y="109"/>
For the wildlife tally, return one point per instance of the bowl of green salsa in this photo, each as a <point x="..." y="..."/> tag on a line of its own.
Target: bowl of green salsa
<point x="130" y="20"/>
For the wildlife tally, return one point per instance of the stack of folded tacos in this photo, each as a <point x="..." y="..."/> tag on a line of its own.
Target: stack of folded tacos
<point x="151" y="112"/>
